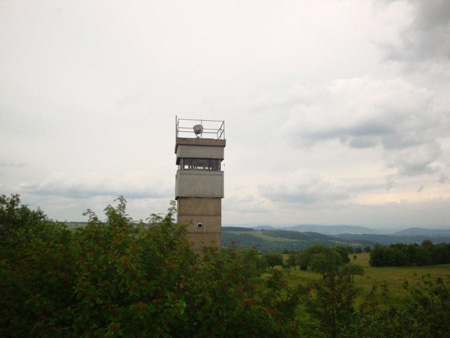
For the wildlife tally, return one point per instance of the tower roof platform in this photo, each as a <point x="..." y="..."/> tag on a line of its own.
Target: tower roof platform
<point x="199" y="132"/>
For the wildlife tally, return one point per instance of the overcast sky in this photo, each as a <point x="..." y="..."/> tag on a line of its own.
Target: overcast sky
<point x="336" y="112"/>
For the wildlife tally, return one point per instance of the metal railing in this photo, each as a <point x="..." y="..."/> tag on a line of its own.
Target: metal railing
<point x="214" y="129"/>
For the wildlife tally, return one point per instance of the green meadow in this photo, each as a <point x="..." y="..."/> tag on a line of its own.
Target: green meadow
<point x="394" y="277"/>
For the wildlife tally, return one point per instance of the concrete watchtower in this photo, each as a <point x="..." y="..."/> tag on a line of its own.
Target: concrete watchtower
<point x="199" y="183"/>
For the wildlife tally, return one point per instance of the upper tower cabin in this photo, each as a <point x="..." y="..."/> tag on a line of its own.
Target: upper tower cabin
<point x="199" y="183"/>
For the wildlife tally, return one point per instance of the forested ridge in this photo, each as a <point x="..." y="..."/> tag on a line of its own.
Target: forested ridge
<point x="124" y="278"/>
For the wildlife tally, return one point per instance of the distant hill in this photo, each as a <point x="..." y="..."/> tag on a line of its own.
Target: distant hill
<point x="265" y="227"/>
<point x="268" y="239"/>
<point x="423" y="232"/>
<point x="371" y="239"/>
<point x="279" y="240"/>
<point x="230" y="228"/>
<point x="332" y="229"/>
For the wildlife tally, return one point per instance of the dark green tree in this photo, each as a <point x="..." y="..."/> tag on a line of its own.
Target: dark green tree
<point x="343" y="252"/>
<point x="427" y="313"/>
<point x="410" y="255"/>
<point x="291" y="261"/>
<point x="273" y="259"/>
<point x="37" y="272"/>
<point x="330" y="300"/>
<point x="124" y="278"/>
<point x="305" y="256"/>
<point x="424" y="313"/>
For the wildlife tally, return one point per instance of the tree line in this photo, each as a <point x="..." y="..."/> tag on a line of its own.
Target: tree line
<point x="410" y="254"/>
<point x="119" y="277"/>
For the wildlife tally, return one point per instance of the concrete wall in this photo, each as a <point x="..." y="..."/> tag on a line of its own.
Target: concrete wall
<point x="200" y="206"/>
<point x="199" y="142"/>
<point x="200" y="241"/>
<point x="208" y="211"/>
<point x="199" y="183"/>
<point x="211" y="224"/>
<point x="190" y="151"/>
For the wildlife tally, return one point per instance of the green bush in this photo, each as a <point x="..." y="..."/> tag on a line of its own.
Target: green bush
<point x="121" y="278"/>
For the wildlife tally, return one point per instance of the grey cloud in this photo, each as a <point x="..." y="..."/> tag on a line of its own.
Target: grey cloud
<point x="13" y="164"/>
<point x="358" y="188"/>
<point x="363" y="142"/>
<point x="432" y="13"/>
<point x="307" y="193"/>
<point x="416" y="160"/>
<point x="443" y="178"/>
<point x="432" y="213"/>
<point x="389" y="183"/>
<point x="86" y="192"/>
<point x="371" y="127"/>
<point x="61" y="185"/>
<point x="392" y="130"/>
<point x="391" y="114"/>
<point x="248" y="204"/>
<point x="426" y="38"/>
<point x="359" y="136"/>
<point x="403" y="139"/>
<point x="362" y="135"/>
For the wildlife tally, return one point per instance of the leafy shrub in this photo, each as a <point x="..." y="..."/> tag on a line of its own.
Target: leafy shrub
<point x="120" y="277"/>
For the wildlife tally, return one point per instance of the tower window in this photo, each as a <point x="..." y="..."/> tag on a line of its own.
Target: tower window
<point x="200" y="225"/>
<point x="199" y="164"/>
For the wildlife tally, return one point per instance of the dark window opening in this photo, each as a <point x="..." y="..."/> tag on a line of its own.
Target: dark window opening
<point x="199" y="164"/>
<point x="199" y="225"/>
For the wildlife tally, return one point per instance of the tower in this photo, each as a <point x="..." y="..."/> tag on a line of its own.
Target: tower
<point x="199" y="182"/>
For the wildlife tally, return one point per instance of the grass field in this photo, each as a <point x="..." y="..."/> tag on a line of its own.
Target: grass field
<point x="395" y="277"/>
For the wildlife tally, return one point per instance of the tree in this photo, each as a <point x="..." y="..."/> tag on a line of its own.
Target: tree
<point x="128" y="273"/>
<point x="37" y="271"/>
<point x="305" y="256"/>
<point x="412" y="254"/>
<point x="339" y="252"/>
<point x="440" y="253"/>
<point x="18" y="223"/>
<point x="424" y="313"/>
<point x="427" y="312"/>
<point x="120" y="277"/>
<point x="273" y="259"/>
<point x="378" y="256"/>
<point x="330" y="300"/>
<point x="229" y="299"/>
<point x="343" y="252"/>
<point x="292" y="260"/>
